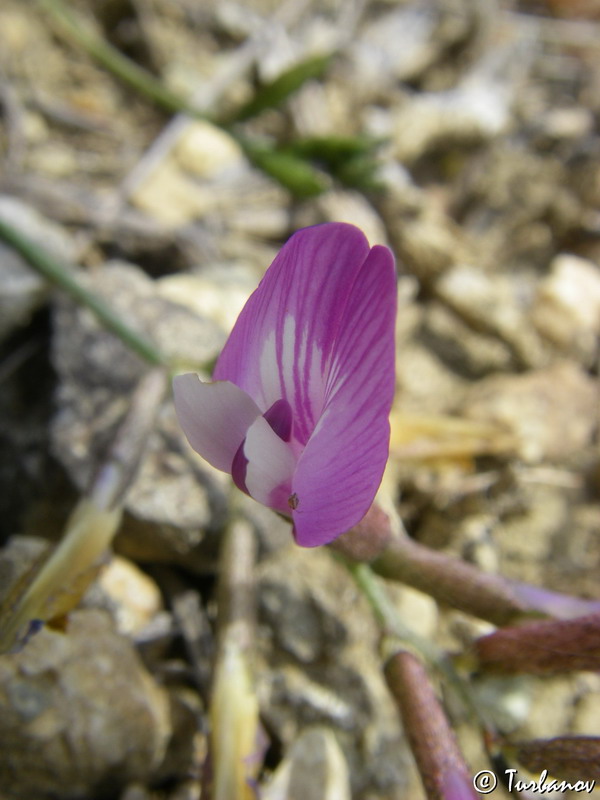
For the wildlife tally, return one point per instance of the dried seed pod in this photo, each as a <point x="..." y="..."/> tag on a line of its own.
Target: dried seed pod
<point x="542" y="648"/>
<point x="443" y="771"/>
<point x="572" y="758"/>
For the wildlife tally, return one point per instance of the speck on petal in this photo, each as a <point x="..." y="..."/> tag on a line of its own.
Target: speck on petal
<point x="215" y="417"/>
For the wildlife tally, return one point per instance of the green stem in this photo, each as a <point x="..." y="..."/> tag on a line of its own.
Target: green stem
<point x="292" y="172"/>
<point x="121" y="66"/>
<point x="383" y="608"/>
<point x="63" y="277"/>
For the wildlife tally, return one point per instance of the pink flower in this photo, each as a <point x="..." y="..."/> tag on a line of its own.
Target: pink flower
<point x="298" y="410"/>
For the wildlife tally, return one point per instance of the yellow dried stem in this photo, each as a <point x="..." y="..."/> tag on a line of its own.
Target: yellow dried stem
<point x="234" y="707"/>
<point x="55" y="586"/>
<point x="234" y="725"/>
<point x="63" y="578"/>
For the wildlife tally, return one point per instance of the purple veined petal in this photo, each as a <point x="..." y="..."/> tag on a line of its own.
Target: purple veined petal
<point x="340" y="469"/>
<point x="215" y="417"/>
<point x="283" y="339"/>
<point x="271" y="464"/>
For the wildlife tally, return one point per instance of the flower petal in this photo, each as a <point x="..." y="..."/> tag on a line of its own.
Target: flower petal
<point x="280" y="418"/>
<point x="283" y="339"/>
<point x="271" y="464"/>
<point x="340" y="469"/>
<point x="215" y="417"/>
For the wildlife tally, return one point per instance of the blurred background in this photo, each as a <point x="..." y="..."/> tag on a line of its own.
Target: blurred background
<point x="159" y="152"/>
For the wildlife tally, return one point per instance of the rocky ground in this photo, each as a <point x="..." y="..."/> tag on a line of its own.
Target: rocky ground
<point x="475" y="155"/>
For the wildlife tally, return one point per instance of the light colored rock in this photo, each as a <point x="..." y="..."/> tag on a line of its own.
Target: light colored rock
<point x="195" y="171"/>
<point x="53" y="159"/>
<point x="572" y="124"/>
<point x="136" y="598"/>
<point x="587" y="709"/>
<point x="218" y="294"/>
<point x="258" y="221"/>
<point x="551" y="708"/>
<point x="177" y="504"/>
<point x="171" y="196"/>
<point x="314" y="769"/>
<point x="205" y="150"/>
<point x="424" y="383"/>
<point x="496" y="304"/>
<point x="136" y="791"/>
<point x="567" y="307"/>
<point x="354" y="208"/>
<point x="424" y="237"/>
<point x="506" y="700"/>
<point x="396" y="45"/>
<point x="420" y="611"/>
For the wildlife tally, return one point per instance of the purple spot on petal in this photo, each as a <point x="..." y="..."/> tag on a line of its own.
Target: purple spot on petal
<point x="279" y="417"/>
<point x="239" y="467"/>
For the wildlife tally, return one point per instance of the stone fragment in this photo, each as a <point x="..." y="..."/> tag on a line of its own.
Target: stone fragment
<point x="551" y="708"/>
<point x="424" y="383"/>
<point x="195" y="171"/>
<point x="175" y="500"/>
<point x="552" y="411"/>
<point x="135" y="598"/>
<point x="495" y="304"/>
<point x="566" y="309"/>
<point x="318" y="665"/>
<point x="171" y="196"/>
<point x="314" y="769"/>
<point x="22" y="290"/>
<point x="53" y="159"/>
<point x="528" y="538"/>
<point x="218" y="294"/>
<point x="506" y="700"/>
<point x="206" y="151"/>
<point x="567" y="124"/>
<point x="79" y="714"/>
<point x="395" y="46"/>
<point x="473" y="112"/>
<point x="469" y="352"/>
<point x="17" y="557"/>
<point x="587" y="710"/>
<point x="419" y="608"/>
<point x="353" y="207"/>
